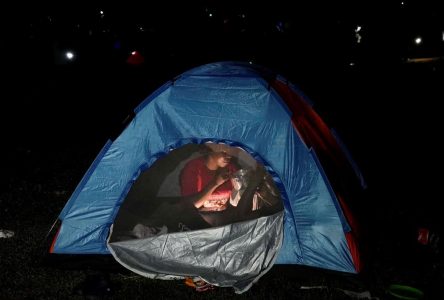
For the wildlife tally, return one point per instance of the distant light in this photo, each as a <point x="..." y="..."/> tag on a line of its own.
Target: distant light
<point x="101" y="12"/>
<point x="69" y="55"/>
<point x="423" y="59"/>
<point x="418" y="40"/>
<point x="358" y="36"/>
<point x="135" y="58"/>
<point x="210" y="15"/>
<point x="141" y="28"/>
<point x="402" y="3"/>
<point x="352" y="64"/>
<point x="250" y="62"/>
<point x="443" y="36"/>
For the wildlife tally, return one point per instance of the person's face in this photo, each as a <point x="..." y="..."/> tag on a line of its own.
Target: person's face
<point x="222" y="159"/>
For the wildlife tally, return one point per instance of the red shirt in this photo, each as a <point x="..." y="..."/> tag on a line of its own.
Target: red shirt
<point x="195" y="176"/>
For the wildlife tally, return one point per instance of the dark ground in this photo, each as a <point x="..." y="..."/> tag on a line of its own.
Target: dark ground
<point x="57" y="116"/>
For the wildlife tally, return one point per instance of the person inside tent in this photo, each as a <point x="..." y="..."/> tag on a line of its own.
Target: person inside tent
<point x="207" y="178"/>
<point x="221" y="190"/>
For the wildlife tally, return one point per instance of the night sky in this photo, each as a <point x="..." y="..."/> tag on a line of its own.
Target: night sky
<point x="356" y="62"/>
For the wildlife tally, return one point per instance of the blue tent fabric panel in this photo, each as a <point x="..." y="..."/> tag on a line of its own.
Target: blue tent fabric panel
<point x="313" y="229"/>
<point x="345" y="226"/>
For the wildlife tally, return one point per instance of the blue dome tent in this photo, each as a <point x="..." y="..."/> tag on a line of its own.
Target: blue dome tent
<point x="260" y="115"/>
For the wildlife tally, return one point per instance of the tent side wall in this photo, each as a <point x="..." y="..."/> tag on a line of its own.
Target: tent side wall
<point x="334" y="159"/>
